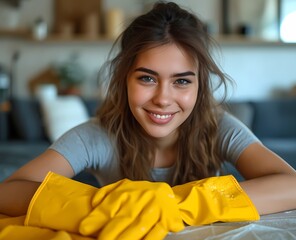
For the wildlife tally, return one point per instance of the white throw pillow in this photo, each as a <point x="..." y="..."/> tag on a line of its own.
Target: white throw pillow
<point x="61" y="114"/>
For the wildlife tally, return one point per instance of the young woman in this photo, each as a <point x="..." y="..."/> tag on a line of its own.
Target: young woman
<point x="160" y="122"/>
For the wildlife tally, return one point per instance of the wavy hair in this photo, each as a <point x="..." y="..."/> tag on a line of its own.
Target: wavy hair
<point x="197" y="152"/>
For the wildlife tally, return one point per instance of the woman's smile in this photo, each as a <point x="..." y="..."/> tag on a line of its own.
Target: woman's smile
<point x="161" y="118"/>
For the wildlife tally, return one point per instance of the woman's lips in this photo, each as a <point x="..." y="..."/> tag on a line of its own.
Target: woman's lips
<point x="161" y="118"/>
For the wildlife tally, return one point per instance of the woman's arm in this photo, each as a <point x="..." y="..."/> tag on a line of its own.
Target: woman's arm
<point x="18" y="189"/>
<point x="270" y="181"/>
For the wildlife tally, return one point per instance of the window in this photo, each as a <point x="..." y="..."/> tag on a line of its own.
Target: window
<point x="288" y="20"/>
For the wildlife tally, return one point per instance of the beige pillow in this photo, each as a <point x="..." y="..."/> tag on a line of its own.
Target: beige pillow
<point x="61" y="114"/>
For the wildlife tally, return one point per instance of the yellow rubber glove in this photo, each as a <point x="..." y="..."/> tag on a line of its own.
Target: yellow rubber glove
<point x="60" y="203"/>
<point x="214" y="199"/>
<point x="125" y="208"/>
<point x="6" y="221"/>
<point x="13" y="232"/>
<point x="20" y="232"/>
<point x="133" y="210"/>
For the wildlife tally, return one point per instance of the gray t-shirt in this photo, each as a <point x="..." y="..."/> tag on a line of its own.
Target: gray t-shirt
<point x="88" y="146"/>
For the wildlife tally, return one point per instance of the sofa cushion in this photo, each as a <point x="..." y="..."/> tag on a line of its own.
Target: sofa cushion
<point x="27" y="120"/>
<point x="61" y="114"/>
<point x="275" y="118"/>
<point x="16" y="153"/>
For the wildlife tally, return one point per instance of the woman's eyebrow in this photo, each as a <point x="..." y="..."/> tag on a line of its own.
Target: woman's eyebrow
<point x="184" y="74"/>
<point x="147" y="70"/>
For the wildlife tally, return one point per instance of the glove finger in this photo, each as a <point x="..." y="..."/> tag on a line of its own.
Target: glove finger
<point x="109" y="210"/>
<point x="93" y="223"/>
<point x="105" y="208"/>
<point x="105" y="191"/>
<point x="172" y="219"/>
<point x="133" y="226"/>
<point x="141" y="225"/>
<point x="114" y="228"/>
<point x="158" y="232"/>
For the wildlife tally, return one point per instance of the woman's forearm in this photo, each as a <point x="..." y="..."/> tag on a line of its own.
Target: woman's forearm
<point x="16" y="196"/>
<point x="272" y="193"/>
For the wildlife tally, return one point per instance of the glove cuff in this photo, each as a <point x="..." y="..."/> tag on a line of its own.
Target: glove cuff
<point x="63" y="197"/>
<point x="214" y="199"/>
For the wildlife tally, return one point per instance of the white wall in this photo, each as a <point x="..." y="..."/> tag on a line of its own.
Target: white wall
<point x="257" y="69"/>
<point x="260" y="71"/>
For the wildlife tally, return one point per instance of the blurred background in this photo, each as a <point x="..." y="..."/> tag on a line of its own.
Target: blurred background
<point x="36" y="35"/>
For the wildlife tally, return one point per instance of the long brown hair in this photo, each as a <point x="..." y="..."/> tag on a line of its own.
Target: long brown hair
<point x="196" y="144"/>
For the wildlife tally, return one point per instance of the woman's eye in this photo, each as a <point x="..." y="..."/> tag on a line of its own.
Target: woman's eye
<point x="183" y="82"/>
<point x="146" y="79"/>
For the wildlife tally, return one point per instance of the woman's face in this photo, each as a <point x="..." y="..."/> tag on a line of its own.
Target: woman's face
<point x="162" y="89"/>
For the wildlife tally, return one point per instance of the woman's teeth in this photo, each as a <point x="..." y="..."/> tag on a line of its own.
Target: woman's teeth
<point x="161" y="116"/>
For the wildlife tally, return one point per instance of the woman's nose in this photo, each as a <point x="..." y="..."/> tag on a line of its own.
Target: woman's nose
<point x="162" y="96"/>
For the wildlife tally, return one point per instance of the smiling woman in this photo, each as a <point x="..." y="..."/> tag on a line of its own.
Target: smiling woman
<point x="157" y="146"/>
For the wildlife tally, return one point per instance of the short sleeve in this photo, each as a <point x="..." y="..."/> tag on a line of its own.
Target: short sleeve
<point x="233" y="137"/>
<point x="84" y="146"/>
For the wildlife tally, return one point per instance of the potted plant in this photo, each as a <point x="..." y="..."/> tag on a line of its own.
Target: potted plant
<point x="71" y="75"/>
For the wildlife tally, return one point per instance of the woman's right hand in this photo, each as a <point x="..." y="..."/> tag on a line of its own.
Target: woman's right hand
<point x="133" y="210"/>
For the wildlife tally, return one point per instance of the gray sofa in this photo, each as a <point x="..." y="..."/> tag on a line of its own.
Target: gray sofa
<point x="22" y="135"/>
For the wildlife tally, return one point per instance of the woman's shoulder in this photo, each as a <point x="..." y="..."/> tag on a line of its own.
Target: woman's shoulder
<point x="92" y="126"/>
<point x="233" y="136"/>
<point x="233" y="131"/>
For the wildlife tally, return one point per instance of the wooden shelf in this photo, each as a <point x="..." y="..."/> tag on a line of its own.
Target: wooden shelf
<point x="15" y="33"/>
<point x="224" y="40"/>
<point x="26" y="35"/>
<point x="76" y="39"/>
